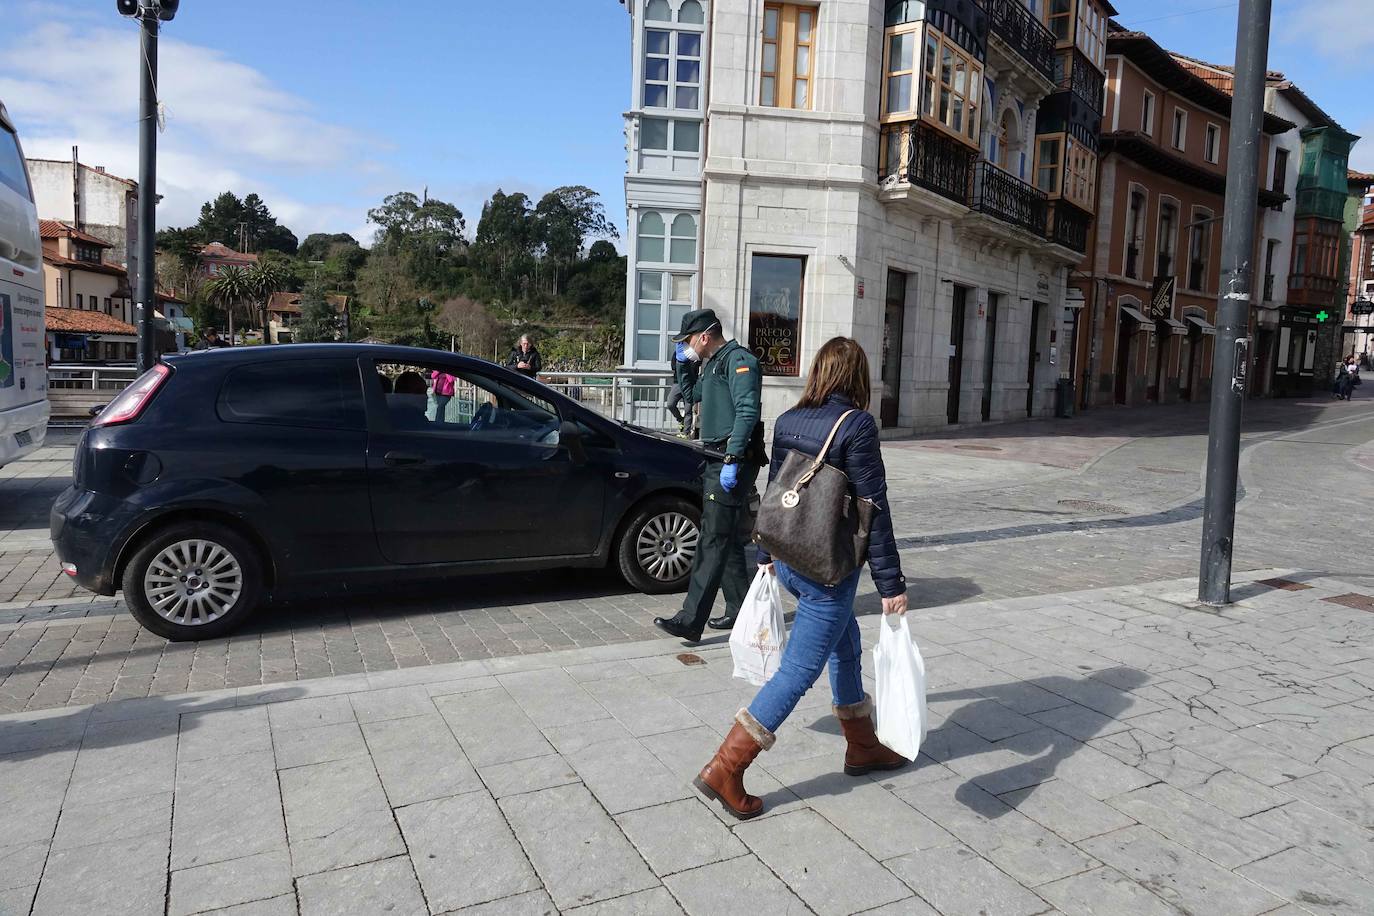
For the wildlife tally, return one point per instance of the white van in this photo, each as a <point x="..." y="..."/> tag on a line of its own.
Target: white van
<point x="23" y="355"/>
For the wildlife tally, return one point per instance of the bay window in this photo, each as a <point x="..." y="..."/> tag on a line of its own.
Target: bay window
<point x="1091" y="22"/>
<point x="672" y="69"/>
<point x="1080" y="173"/>
<point x="951" y="88"/>
<point x="789" y="32"/>
<point x="1047" y="164"/>
<point x="665" y="282"/>
<point x="1060" y="18"/>
<point x="670" y="145"/>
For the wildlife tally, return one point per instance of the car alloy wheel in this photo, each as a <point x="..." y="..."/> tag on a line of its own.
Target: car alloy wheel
<point x="666" y="545"/>
<point x="193" y="582"/>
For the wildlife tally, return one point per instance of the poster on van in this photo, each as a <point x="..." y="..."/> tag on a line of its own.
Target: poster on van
<point x="6" y="343"/>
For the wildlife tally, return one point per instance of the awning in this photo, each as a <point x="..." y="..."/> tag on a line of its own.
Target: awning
<point x="1201" y="324"/>
<point x="1135" y="315"/>
<point x="1175" y="326"/>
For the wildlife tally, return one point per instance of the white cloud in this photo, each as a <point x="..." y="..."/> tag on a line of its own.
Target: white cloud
<point x="1340" y="29"/>
<point x="228" y="127"/>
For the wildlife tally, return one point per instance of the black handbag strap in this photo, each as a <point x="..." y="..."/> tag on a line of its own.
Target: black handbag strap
<point x="825" y="449"/>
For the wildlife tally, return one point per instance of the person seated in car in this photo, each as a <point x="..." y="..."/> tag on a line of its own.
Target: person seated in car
<point x="407" y="404"/>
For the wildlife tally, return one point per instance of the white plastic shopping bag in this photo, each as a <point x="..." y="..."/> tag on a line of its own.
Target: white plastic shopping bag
<point x="757" y="641"/>
<point x="900" y="701"/>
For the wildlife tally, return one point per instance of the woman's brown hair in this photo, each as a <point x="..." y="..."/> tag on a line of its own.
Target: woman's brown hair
<point x="840" y="367"/>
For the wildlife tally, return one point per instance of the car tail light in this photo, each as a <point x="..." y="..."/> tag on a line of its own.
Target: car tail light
<point x="131" y="401"/>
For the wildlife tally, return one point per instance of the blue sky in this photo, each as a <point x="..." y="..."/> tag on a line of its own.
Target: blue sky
<point x="325" y="106"/>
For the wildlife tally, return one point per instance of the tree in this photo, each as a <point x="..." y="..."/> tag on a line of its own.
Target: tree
<point x="602" y="251"/>
<point x="230" y="289"/>
<point x="245" y="223"/>
<point x="503" y="250"/>
<point x="321" y="245"/>
<point x="266" y="277"/>
<point x="427" y="233"/>
<point x="319" y="321"/>
<point x="566" y="217"/>
<point x="475" y="331"/>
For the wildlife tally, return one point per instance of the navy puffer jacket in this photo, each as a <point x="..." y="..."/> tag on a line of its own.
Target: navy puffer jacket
<point x="856" y="452"/>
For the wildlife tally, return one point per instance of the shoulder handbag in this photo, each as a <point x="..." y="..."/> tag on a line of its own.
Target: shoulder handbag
<point x="811" y="519"/>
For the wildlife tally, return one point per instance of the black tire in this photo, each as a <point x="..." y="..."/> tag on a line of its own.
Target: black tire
<point x="675" y="524"/>
<point x="221" y="602"/>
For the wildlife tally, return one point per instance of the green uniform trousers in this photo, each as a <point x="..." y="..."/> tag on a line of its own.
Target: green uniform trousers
<point x="727" y="521"/>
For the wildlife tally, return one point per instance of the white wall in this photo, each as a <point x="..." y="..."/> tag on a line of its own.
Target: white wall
<point x="107" y="205"/>
<point x="1278" y="224"/>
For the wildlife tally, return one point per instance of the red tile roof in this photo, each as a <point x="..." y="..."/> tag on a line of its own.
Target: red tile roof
<point x="56" y="229"/>
<point x="79" y="321"/>
<point x="113" y="270"/>
<point x="168" y="296"/>
<point x="291" y="302"/>
<point x="222" y="252"/>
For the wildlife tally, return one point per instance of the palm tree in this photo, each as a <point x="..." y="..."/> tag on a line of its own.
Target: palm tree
<point x="231" y="287"/>
<point x="264" y="279"/>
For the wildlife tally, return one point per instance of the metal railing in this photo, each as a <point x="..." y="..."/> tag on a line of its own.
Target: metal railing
<point x="90" y="378"/>
<point x="921" y="155"/>
<point x="1076" y="74"/>
<point x="640" y="398"/>
<point x="1024" y="33"/>
<point x="1069" y="226"/>
<point x="1009" y="199"/>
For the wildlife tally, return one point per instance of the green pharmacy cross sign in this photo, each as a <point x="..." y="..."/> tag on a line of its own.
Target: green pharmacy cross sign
<point x="1322" y="316"/>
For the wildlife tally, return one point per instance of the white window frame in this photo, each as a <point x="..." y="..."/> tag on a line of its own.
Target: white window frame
<point x="1147" y="113"/>
<point x="670" y="307"/>
<point x="671" y="158"/>
<point x="1211" y="152"/>
<point x="1178" y="132"/>
<point x="674" y="31"/>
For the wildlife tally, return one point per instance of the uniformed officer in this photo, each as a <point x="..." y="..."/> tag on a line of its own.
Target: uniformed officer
<point x="729" y="390"/>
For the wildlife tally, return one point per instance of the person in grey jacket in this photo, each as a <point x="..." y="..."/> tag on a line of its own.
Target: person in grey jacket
<point x="825" y="630"/>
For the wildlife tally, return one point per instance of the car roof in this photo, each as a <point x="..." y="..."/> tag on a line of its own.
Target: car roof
<point x="387" y="353"/>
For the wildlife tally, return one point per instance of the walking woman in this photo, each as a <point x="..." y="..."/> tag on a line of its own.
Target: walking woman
<point x="825" y="630"/>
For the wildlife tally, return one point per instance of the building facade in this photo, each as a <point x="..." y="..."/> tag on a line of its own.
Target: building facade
<point x="919" y="176"/>
<point x="93" y="201"/>
<point x="1358" y="324"/>
<point x="1152" y="277"/>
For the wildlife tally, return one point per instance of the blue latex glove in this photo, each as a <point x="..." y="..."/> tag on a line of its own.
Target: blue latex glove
<point x="729" y="476"/>
<point x="681" y="354"/>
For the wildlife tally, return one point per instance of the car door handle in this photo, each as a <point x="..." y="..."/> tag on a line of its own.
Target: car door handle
<point x="400" y="459"/>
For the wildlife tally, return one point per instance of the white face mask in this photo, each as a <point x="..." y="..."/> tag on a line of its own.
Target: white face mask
<point x="691" y="353"/>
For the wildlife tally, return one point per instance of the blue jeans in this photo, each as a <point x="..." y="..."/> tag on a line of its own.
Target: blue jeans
<point x="824" y="631"/>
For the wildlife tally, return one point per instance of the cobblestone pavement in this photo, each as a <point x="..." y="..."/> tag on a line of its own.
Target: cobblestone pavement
<point x="1116" y="751"/>
<point x="1111" y="497"/>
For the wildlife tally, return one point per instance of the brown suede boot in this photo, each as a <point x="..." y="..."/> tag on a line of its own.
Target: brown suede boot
<point x="723" y="778"/>
<point x="864" y="753"/>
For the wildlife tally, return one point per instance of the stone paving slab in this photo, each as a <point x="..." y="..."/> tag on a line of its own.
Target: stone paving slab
<point x="560" y="783"/>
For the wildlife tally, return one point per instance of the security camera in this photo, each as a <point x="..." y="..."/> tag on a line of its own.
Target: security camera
<point x="166" y="9"/>
<point x="127" y="7"/>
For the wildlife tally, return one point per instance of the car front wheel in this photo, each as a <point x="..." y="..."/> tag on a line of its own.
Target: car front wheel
<point x="193" y="581"/>
<point x="657" y="546"/>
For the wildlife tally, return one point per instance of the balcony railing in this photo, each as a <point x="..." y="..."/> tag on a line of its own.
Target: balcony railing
<point x="1027" y="36"/>
<point x="1320" y="202"/>
<point x="1008" y="198"/>
<point x="1069" y="226"/>
<point x="918" y="154"/>
<point x="1075" y="73"/>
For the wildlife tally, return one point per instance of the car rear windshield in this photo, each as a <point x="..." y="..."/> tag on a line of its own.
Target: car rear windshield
<point x="317" y="393"/>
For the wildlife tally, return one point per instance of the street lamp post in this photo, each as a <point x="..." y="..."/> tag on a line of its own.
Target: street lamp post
<point x="149" y="13"/>
<point x="1231" y="359"/>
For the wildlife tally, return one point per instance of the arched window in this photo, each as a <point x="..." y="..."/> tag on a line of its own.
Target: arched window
<point x="682" y="248"/>
<point x="651" y="238"/>
<point x="658" y="11"/>
<point x="691" y="13"/>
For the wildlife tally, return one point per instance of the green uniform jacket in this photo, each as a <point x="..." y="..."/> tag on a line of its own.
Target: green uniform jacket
<point x="730" y="390"/>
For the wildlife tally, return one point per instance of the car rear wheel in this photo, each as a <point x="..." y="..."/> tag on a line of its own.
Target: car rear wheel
<point x="657" y="546"/>
<point x="193" y="580"/>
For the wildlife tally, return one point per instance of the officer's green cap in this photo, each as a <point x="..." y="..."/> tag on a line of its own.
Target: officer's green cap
<point x="696" y="322"/>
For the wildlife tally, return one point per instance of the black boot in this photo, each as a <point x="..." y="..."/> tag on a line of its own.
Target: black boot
<point x="674" y="626"/>
<point x="723" y="622"/>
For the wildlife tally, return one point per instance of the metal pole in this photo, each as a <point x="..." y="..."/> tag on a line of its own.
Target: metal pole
<point x="147" y="191"/>
<point x="1231" y="360"/>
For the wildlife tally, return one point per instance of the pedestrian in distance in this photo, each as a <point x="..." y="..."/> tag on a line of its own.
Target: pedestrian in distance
<point x="1338" y="386"/>
<point x="525" y="358"/>
<point x="210" y="340"/>
<point x="682" y="394"/>
<point x="442" y="385"/>
<point x="825" y="631"/>
<point x="729" y="390"/>
<point x="1352" y="376"/>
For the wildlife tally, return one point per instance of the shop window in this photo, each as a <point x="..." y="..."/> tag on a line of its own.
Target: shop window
<point x="775" y="312"/>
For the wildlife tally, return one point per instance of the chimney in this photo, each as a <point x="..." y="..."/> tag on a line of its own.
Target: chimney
<point x="76" y="188"/>
<point x="99" y="168"/>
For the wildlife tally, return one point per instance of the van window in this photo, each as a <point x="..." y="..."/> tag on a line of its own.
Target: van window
<point x="322" y="393"/>
<point x="12" y="164"/>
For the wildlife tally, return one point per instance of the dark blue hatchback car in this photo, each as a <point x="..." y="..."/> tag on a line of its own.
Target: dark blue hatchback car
<point x="221" y="477"/>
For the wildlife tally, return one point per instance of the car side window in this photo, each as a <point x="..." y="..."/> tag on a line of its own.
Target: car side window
<point x="313" y="393"/>
<point x="465" y="405"/>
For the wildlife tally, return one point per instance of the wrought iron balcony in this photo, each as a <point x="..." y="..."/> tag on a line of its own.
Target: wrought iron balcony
<point x="1024" y="33"/>
<point x="1318" y="201"/>
<point x="1009" y="199"/>
<point x="1069" y="226"/>
<point x="1073" y="72"/>
<point x="916" y="153"/>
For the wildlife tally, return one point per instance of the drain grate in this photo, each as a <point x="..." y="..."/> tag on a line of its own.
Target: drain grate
<point x="691" y="658"/>
<point x="1288" y="585"/>
<point x="1090" y="505"/>
<point x="979" y="448"/>
<point x="1353" y="600"/>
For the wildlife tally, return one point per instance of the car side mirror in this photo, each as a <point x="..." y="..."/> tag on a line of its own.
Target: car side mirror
<point x="570" y="438"/>
<point x="97" y="409"/>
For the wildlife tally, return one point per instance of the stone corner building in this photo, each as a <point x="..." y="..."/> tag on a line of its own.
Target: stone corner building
<point x="920" y="176"/>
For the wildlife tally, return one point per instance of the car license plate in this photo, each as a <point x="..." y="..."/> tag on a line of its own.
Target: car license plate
<point x="23" y="438"/>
